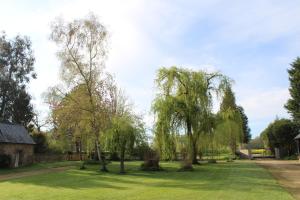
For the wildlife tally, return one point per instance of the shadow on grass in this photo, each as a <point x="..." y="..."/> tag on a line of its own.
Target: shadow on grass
<point x="209" y="177"/>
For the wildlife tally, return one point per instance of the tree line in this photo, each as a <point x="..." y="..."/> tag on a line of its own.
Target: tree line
<point x="281" y="132"/>
<point x="90" y="113"/>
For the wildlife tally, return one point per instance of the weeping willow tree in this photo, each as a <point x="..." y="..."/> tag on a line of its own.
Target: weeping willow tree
<point x="165" y="143"/>
<point x="183" y="106"/>
<point x="126" y="129"/>
<point x="230" y="124"/>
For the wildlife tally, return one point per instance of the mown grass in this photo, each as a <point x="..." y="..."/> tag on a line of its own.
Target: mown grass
<point x="237" y="180"/>
<point x="38" y="166"/>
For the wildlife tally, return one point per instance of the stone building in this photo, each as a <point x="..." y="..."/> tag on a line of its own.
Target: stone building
<point x="16" y="143"/>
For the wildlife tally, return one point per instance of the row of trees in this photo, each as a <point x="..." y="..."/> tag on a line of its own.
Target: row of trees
<point x="87" y="107"/>
<point x="90" y="113"/>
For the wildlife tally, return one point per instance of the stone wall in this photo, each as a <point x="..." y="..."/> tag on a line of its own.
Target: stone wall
<point x="25" y="152"/>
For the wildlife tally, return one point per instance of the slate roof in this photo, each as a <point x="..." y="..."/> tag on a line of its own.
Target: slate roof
<point x="297" y="137"/>
<point x="14" y="133"/>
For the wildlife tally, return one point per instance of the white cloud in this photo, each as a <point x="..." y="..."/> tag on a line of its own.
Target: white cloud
<point x="148" y="34"/>
<point x="265" y="104"/>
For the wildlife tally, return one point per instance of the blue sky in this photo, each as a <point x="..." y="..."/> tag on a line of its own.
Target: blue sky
<point x="252" y="42"/>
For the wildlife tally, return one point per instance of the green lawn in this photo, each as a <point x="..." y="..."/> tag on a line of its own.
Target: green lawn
<point x="38" y="166"/>
<point x="238" y="180"/>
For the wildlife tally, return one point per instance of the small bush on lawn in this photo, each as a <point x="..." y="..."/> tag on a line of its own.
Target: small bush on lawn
<point x="114" y="156"/>
<point x="186" y="165"/>
<point x="230" y="158"/>
<point x="5" y="161"/>
<point x="212" y="161"/>
<point x="151" y="161"/>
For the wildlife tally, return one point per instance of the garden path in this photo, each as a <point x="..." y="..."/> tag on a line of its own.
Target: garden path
<point x="286" y="172"/>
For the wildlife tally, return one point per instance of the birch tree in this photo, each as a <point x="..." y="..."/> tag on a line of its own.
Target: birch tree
<point x="82" y="51"/>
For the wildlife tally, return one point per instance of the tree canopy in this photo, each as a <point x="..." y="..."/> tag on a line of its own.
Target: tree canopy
<point x="82" y="51"/>
<point x="246" y="129"/>
<point x="293" y="104"/>
<point x="183" y="105"/>
<point x="16" y="70"/>
<point x="230" y="125"/>
<point x="280" y="134"/>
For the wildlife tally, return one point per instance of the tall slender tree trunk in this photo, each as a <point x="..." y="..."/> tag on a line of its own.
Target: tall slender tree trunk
<point x="192" y="143"/>
<point x="98" y="150"/>
<point x="80" y="149"/>
<point x="4" y="96"/>
<point x="122" y="158"/>
<point x="194" y="153"/>
<point x="100" y="157"/>
<point x="233" y="146"/>
<point x="3" y="106"/>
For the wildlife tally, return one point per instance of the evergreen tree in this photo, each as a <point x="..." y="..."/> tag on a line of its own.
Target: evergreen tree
<point x="293" y="104"/>
<point x="246" y="129"/>
<point x="229" y="128"/>
<point x="16" y="70"/>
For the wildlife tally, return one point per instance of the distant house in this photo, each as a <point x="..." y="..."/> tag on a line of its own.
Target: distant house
<point x="16" y="143"/>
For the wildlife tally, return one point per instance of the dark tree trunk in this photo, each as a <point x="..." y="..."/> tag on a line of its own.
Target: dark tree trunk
<point x="4" y="97"/>
<point x="2" y="109"/>
<point x="122" y="158"/>
<point x="103" y="162"/>
<point x="233" y="147"/>
<point x="194" y="153"/>
<point x="192" y="143"/>
<point x="80" y="150"/>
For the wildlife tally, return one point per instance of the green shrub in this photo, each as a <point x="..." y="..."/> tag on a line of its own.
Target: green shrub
<point x="292" y="157"/>
<point x="151" y="161"/>
<point x="114" y="156"/>
<point x="212" y="161"/>
<point x="41" y="143"/>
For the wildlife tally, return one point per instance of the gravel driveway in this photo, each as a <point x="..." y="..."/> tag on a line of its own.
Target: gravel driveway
<point x="287" y="174"/>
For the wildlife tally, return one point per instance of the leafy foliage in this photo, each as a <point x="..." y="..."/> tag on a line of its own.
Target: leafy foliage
<point x="184" y="103"/>
<point x="41" y="142"/>
<point x="256" y="143"/>
<point x="246" y="129"/>
<point x="82" y="51"/>
<point x="293" y="104"/>
<point x="230" y="129"/>
<point x="280" y="134"/>
<point x="16" y="70"/>
<point x="126" y="130"/>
